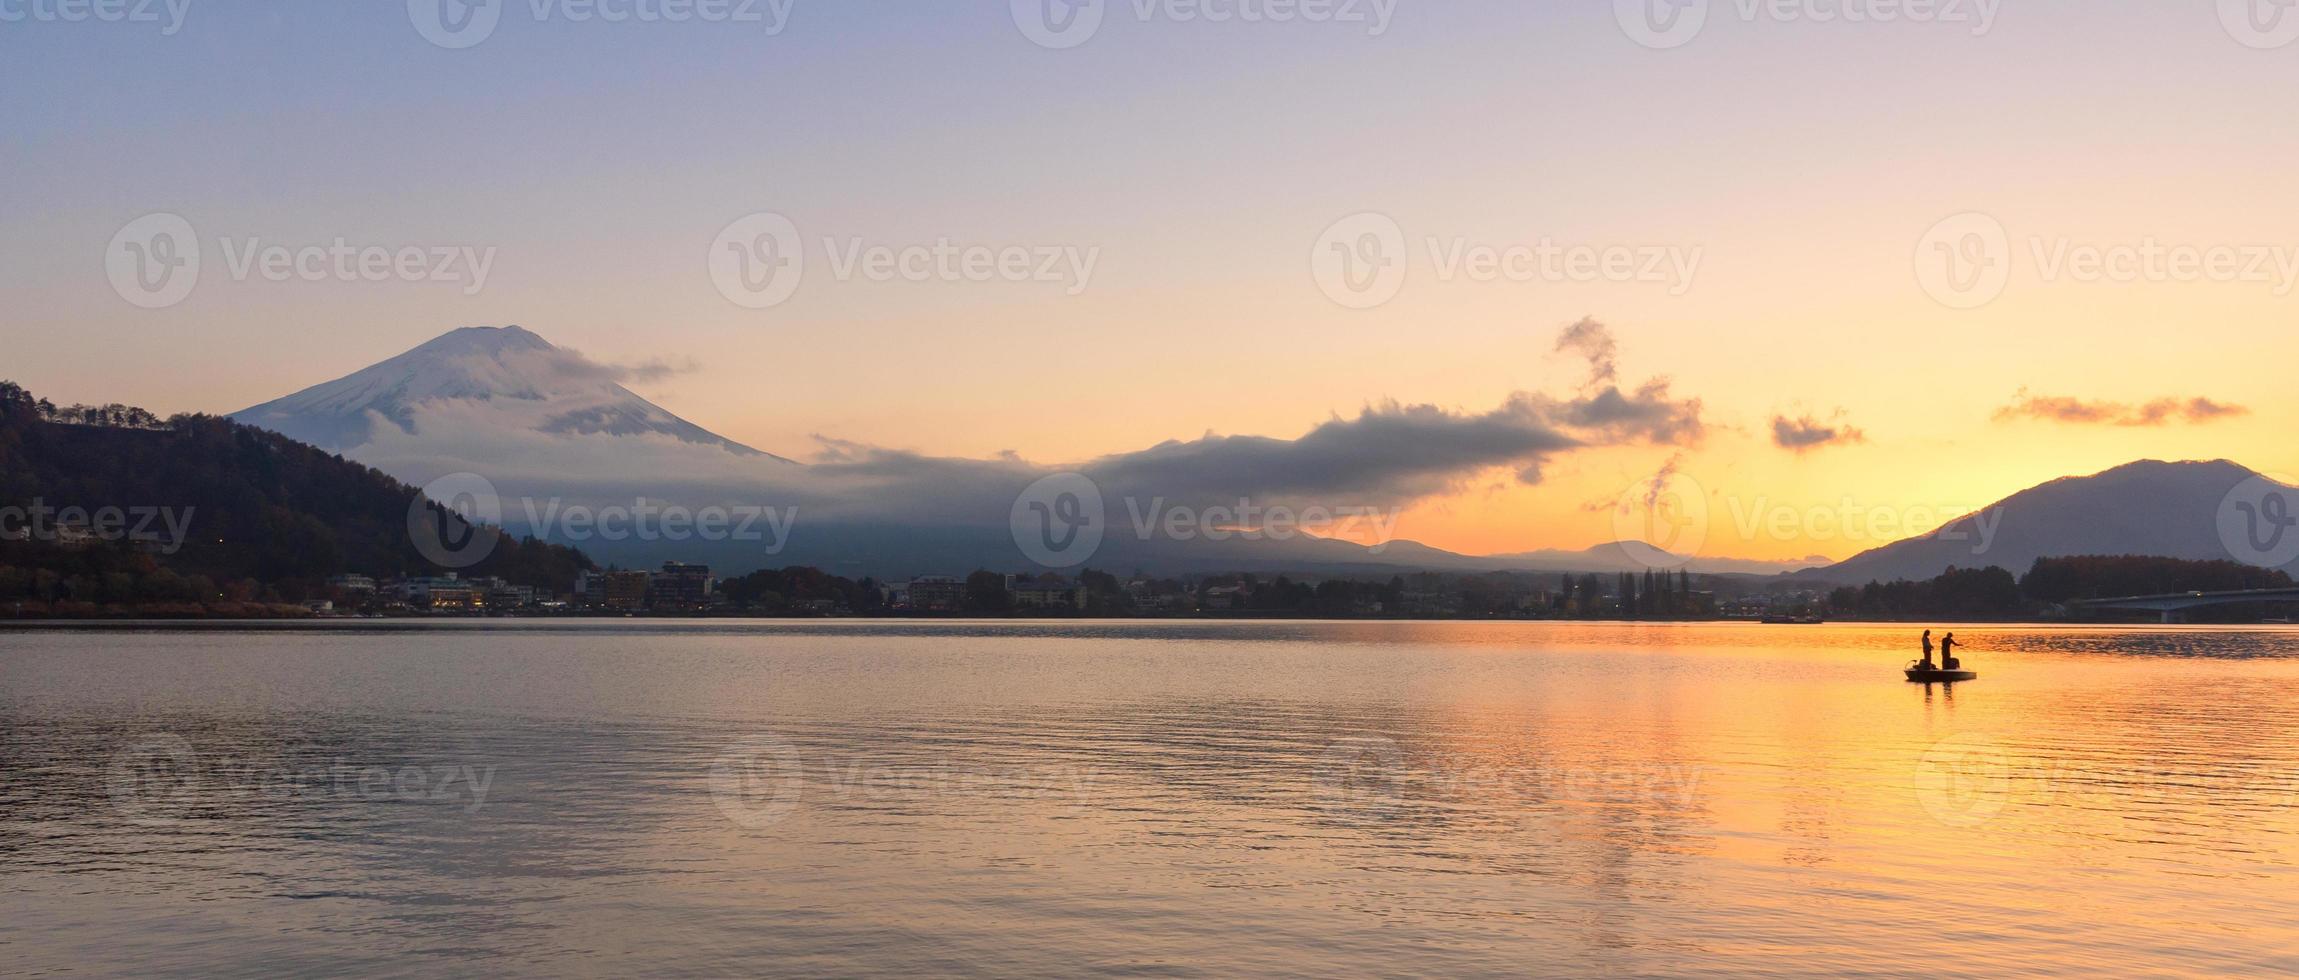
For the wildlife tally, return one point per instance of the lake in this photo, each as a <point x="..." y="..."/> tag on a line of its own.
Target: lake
<point x="1169" y="799"/>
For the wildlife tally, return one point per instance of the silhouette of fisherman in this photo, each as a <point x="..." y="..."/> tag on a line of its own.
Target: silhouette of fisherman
<point x="1948" y="659"/>
<point x="1927" y="649"/>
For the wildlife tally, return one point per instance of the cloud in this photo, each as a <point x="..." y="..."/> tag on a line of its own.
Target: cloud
<point x="1393" y="453"/>
<point x="2161" y="411"/>
<point x="1805" y="433"/>
<point x="2206" y="410"/>
<point x="656" y="369"/>
<point x="1658" y="485"/>
<point x="1610" y="415"/>
<point x="1651" y="414"/>
<point x="1387" y="454"/>
<point x="1594" y="341"/>
<point x="566" y="364"/>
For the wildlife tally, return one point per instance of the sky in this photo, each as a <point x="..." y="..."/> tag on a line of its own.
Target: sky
<point x="1193" y="219"/>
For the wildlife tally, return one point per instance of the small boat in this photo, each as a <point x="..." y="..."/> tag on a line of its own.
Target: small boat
<point x="1793" y="621"/>
<point x="1933" y="675"/>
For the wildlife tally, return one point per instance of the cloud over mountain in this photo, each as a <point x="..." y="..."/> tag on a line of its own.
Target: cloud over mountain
<point x="2161" y="411"/>
<point x="489" y="378"/>
<point x="548" y="426"/>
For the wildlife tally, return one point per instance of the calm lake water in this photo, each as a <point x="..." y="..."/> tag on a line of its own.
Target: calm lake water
<point x="1190" y="799"/>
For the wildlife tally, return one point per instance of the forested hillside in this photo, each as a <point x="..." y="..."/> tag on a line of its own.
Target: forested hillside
<point x="248" y="514"/>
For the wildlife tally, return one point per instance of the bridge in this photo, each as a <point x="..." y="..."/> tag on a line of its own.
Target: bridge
<point x="2171" y="606"/>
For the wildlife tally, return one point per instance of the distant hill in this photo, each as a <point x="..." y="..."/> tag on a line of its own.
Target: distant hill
<point x="2161" y="509"/>
<point x="1636" y="556"/>
<point x="254" y="505"/>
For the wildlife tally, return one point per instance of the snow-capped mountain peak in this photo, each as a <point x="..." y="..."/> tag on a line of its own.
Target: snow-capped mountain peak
<point x="522" y="380"/>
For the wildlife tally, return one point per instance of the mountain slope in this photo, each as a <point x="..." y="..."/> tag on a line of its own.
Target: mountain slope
<point x="239" y="502"/>
<point x="523" y="381"/>
<point x="2150" y="507"/>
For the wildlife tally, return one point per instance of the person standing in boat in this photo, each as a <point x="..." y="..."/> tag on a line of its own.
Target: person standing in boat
<point x="1927" y="649"/>
<point x="1948" y="659"/>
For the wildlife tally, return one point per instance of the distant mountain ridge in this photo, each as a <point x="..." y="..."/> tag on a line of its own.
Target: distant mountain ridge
<point x="2150" y="507"/>
<point x="493" y="381"/>
<point x="520" y="377"/>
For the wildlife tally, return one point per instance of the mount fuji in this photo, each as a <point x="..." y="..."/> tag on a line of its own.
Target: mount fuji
<point x="511" y="377"/>
<point x="544" y="425"/>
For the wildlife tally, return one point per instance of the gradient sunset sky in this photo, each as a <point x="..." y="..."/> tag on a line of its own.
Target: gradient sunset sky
<point x="1804" y="162"/>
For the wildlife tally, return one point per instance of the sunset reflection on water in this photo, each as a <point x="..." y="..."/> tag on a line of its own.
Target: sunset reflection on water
<point x="1194" y="798"/>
